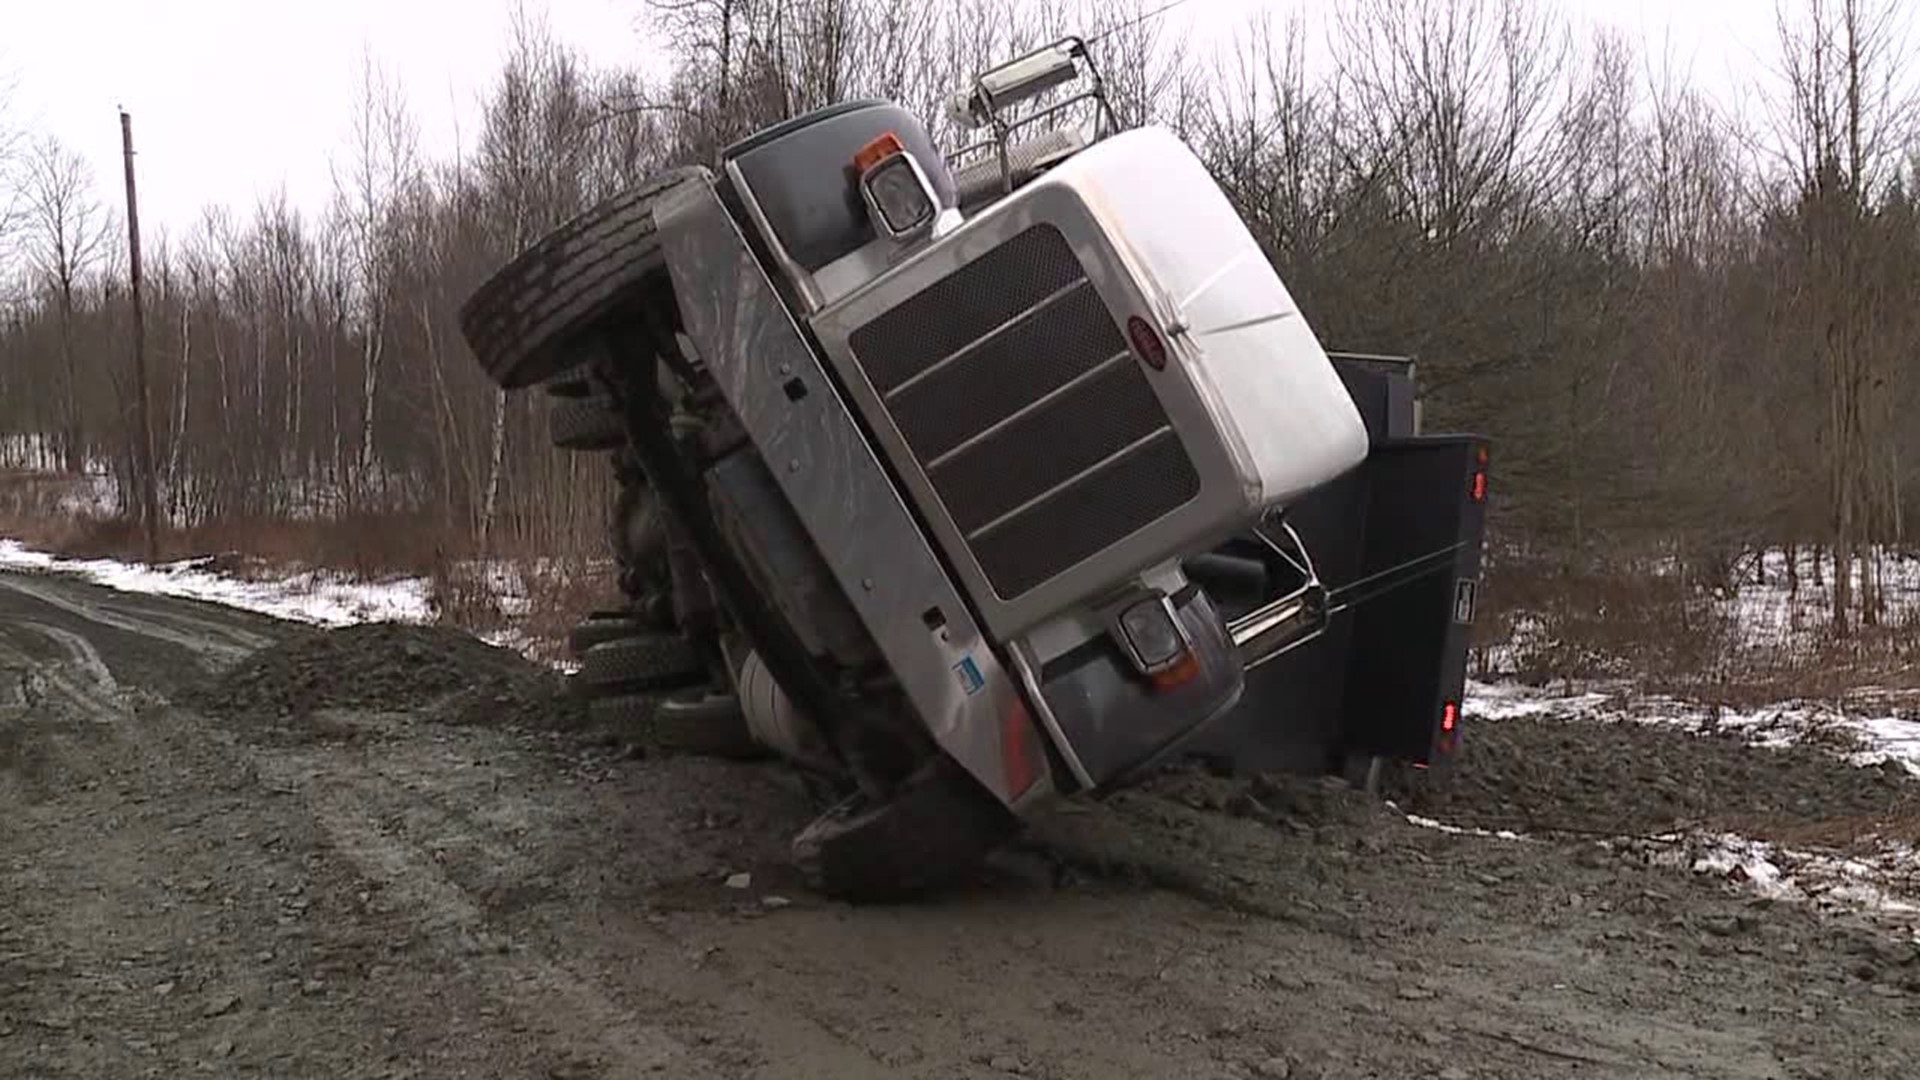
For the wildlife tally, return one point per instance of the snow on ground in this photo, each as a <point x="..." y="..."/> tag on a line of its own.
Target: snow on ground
<point x="1886" y="724"/>
<point x="1884" y="883"/>
<point x="1768" y="618"/>
<point x="311" y="597"/>
<point x="1768" y="613"/>
<point x="316" y="597"/>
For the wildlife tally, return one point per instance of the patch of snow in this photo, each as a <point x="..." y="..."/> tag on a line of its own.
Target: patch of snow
<point x="1892" y="738"/>
<point x="1511" y="700"/>
<point x="1735" y="858"/>
<point x="319" y="598"/>
<point x="1457" y="830"/>
<point x="314" y="597"/>
<point x="1882" y="884"/>
<point x="1886" y="724"/>
<point x="15" y="557"/>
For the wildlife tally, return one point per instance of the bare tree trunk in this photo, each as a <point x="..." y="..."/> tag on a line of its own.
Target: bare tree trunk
<point x="70" y="435"/>
<point x="496" y="459"/>
<point x="176" y="482"/>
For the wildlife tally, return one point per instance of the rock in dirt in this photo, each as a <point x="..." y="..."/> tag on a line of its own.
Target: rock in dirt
<point x="456" y="677"/>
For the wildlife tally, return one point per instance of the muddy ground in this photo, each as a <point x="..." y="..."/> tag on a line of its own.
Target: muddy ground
<point x="232" y="847"/>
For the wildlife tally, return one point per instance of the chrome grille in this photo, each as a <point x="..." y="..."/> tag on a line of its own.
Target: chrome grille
<point x="1019" y="398"/>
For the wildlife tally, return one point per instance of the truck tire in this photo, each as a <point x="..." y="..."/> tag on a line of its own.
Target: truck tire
<point x="520" y="321"/>
<point x="712" y="726"/>
<point x="934" y="833"/>
<point x="575" y="382"/>
<point x="641" y="660"/>
<point x="604" y="626"/>
<point x="587" y="424"/>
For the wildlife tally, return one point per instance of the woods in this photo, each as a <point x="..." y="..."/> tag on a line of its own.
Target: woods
<point x="1693" y="330"/>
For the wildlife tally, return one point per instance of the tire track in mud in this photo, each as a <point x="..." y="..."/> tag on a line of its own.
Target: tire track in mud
<point x="84" y="655"/>
<point x="445" y="824"/>
<point x="440" y="851"/>
<point x="209" y="645"/>
<point x="82" y="681"/>
<point x="345" y="799"/>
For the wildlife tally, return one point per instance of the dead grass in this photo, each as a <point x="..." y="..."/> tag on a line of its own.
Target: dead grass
<point x="553" y="595"/>
<point x="1588" y="625"/>
<point x="1667" y="637"/>
<point x="365" y="546"/>
<point x="562" y="599"/>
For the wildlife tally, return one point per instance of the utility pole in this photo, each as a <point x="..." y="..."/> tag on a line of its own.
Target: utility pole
<point x="143" y="436"/>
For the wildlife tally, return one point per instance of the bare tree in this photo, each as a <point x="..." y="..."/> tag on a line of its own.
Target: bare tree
<point x="12" y="204"/>
<point x="67" y="234"/>
<point x="384" y="163"/>
<point x="1845" y="122"/>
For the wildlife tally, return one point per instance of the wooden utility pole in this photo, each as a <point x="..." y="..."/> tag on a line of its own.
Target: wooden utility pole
<point x="143" y="423"/>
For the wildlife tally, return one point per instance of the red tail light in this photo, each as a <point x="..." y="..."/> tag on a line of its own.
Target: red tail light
<point x="1449" y="718"/>
<point x="1019" y="755"/>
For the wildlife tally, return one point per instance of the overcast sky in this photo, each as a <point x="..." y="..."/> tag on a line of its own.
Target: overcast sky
<point x="233" y="98"/>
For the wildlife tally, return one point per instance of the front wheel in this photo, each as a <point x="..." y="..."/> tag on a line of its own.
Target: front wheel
<point x="522" y="322"/>
<point x="933" y="833"/>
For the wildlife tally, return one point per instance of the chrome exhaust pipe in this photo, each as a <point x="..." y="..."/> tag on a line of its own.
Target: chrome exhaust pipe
<point x="1279" y="627"/>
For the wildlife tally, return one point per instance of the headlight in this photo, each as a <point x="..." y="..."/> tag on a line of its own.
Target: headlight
<point x="894" y="189"/>
<point x="898" y="195"/>
<point x="1157" y="644"/>
<point x="1152" y="634"/>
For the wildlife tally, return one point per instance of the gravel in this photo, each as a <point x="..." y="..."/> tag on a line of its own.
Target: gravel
<point x="453" y="676"/>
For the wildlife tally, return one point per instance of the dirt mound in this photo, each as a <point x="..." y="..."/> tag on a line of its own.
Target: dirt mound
<point x="389" y="667"/>
<point x="1626" y="778"/>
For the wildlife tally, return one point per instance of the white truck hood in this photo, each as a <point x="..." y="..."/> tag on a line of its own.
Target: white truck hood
<point x="1232" y="326"/>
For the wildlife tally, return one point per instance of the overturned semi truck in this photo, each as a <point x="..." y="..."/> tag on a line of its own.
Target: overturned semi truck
<point x="969" y="481"/>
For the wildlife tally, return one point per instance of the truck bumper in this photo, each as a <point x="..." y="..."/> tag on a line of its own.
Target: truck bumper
<point x="1112" y="724"/>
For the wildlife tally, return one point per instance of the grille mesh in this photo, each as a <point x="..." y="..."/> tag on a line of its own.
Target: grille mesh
<point x="1087" y="517"/>
<point x="1021" y="328"/>
<point x="966" y="306"/>
<point x="1012" y="369"/>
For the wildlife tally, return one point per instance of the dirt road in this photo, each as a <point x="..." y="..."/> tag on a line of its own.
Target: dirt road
<point x="201" y="875"/>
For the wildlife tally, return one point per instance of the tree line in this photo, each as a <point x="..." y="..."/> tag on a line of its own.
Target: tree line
<point x="1691" y="325"/>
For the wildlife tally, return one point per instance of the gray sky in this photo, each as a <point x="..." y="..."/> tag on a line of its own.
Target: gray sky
<point x="233" y="98"/>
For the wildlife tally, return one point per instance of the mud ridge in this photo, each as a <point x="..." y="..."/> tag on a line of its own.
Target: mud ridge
<point x="452" y="676"/>
<point x="1625" y="778"/>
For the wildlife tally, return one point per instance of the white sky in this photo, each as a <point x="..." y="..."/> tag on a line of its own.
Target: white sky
<point x="233" y="98"/>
